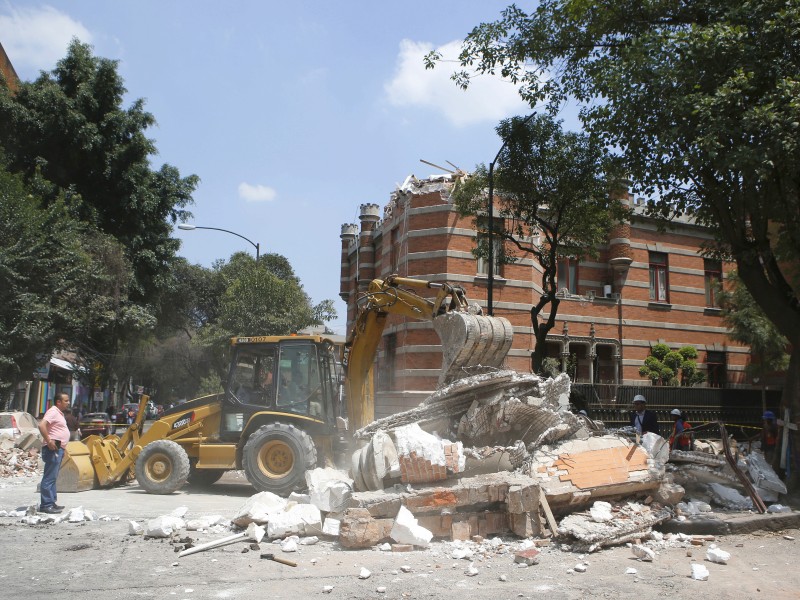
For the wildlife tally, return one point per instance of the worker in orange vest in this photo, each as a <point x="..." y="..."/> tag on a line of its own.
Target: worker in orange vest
<point x="680" y="439"/>
<point x="769" y="435"/>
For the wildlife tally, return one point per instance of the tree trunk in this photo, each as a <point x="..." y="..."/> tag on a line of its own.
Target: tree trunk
<point x="790" y="398"/>
<point x="540" y="330"/>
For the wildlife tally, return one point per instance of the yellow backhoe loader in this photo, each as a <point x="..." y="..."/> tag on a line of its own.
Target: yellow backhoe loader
<point x="282" y="409"/>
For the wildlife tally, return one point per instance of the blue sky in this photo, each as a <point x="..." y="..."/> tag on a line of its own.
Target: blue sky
<point x="291" y="113"/>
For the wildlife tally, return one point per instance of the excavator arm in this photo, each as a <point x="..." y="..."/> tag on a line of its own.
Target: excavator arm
<point x="468" y="338"/>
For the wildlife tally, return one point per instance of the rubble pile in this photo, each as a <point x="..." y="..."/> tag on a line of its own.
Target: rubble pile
<point x="498" y="408"/>
<point x="30" y="516"/>
<point x="16" y="462"/>
<point x="505" y="423"/>
<point x="708" y="477"/>
<point x="503" y="413"/>
<point x="606" y="524"/>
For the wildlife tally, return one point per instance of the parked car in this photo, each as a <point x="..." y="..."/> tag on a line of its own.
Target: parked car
<point x="95" y="424"/>
<point x="15" y="423"/>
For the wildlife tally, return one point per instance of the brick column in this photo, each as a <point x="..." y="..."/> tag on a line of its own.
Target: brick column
<point x="620" y="255"/>
<point x="369" y="217"/>
<point x="348" y="237"/>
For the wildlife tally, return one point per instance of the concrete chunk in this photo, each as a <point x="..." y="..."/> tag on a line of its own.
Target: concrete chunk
<point x="135" y="528"/>
<point x="30" y="440"/>
<point x="527" y="557"/>
<point x="669" y="493"/>
<point x="699" y="572"/>
<point x="76" y="515"/>
<point x="331" y="525"/>
<point x="360" y="530"/>
<point x="642" y="552"/>
<point x="297" y="519"/>
<point x="160" y="527"/>
<point x="717" y="555"/>
<point x="329" y="489"/>
<point x="406" y="530"/>
<point x="257" y="509"/>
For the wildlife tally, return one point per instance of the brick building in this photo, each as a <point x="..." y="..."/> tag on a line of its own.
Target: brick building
<point x="647" y="287"/>
<point x="7" y="70"/>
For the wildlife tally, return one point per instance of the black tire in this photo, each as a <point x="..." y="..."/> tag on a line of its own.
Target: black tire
<point x="162" y="467"/>
<point x="204" y="478"/>
<point x="276" y="458"/>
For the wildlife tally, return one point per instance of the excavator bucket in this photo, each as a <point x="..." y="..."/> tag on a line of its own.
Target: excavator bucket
<point x="76" y="473"/>
<point x="470" y="341"/>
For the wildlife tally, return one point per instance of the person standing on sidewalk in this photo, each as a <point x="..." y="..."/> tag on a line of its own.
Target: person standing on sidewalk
<point x="55" y="432"/>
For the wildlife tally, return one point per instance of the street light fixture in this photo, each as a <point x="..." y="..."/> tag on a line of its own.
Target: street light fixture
<point x="189" y="227"/>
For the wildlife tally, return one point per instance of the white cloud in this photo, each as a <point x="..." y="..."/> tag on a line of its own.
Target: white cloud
<point x="36" y="39"/>
<point x="488" y="98"/>
<point x="256" y="193"/>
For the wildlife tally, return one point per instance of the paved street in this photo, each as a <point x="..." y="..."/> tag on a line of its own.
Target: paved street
<point x="95" y="560"/>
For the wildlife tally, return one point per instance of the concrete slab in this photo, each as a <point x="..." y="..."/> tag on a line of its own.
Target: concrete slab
<point x="732" y="523"/>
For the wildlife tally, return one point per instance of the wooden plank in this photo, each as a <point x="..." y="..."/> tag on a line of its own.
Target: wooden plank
<point x="551" y="520"/>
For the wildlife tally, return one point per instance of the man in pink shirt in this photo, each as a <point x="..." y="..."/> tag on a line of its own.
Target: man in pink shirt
<point x="55" y="432"/>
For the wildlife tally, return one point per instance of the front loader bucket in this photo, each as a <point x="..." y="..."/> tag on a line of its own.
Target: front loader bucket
<point x="471" y="341"/>
<point x="76" y="473"/>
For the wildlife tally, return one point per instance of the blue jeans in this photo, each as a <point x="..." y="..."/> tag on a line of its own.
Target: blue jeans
<point x="52" y="463"/>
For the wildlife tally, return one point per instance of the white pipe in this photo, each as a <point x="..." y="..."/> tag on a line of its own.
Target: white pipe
<point x="254" y="532"/>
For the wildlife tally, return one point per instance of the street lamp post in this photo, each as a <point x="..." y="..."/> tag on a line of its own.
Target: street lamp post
<point x="189" y="227"/>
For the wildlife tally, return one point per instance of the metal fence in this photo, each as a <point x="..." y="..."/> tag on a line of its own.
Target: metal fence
<point x="739" y="409"/>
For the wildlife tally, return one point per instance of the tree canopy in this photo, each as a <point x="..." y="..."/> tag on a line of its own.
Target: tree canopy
<point x="87" y="250"/>
<point x="700" y="98"/>
<point x="69" y="128"/>
<point x="750" y="326"/>
<point x="262" y="298"/>
<point x="555" y="201"/>
<point x="61" y="282"/>
<point x="672" y="367"/>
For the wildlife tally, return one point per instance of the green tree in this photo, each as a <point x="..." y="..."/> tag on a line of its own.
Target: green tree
<point x="70" y="128"/>
<point x="262" y="297"/>
<point x="190" y="298"/>
<point x="61" y="282"/>
<point x="553" y="186"/>
<point x="71" y="139"/>
<point x="749" y="325"/>
<point x="672" y="367"/>
<point x="699" y="98"/>
<point x="260" y="302"/>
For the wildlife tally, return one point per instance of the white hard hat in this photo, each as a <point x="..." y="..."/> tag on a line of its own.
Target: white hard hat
<point x="676" y="412"/>
<point x="639" y="398"/>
